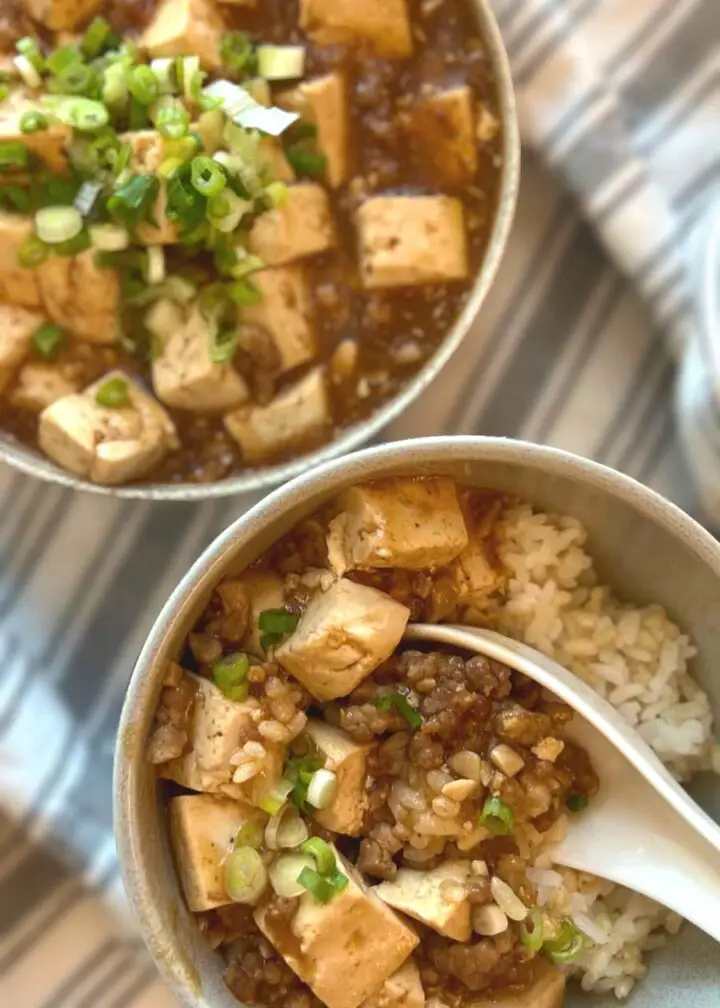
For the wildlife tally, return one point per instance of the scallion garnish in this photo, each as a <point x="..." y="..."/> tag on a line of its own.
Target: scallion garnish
<point x="300" y="771"/>
<point x="57" y="224"/>
<point x="33" y="121"/>
<point x="134" y="201"/>
<point x="73" y="246"/>
<point x="305" y="161"/>
<point x="47" y="338"/>
<point x="244" y="292"/>
<point x="245" y="875"/>
<point x="32" y="252"/>
<point x="576" y="803"/>
<point x="401" y="704"/>
<point x="224" y="346"/>
<point x="172" y="120"/>
<point x="14" y="198"/>
<point x="97" y="34"/>
<point x="322" y="853"/>
<point x="323" y="889"/>
<point x="207" y="176"/>
<point x="143" y="84"/>
<point x="29" y="48"/>
<point x="531" y="930"/>
<point x="497" y="817"/>
<point x="567" y="946"/>
<point x="238" y="53"/>
<point x="75" y="79"/>
<point x="113" y="393"/>
<point x="114" y="84"/>
<point x="13" y="154"/>
<point x="278" y="621"/>
<point x="62" y="58"/>
<point x="230" y="675"/>
<point x="82" y="114"/>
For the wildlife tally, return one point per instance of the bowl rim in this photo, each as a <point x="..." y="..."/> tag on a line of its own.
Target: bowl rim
<point x="30" y="462"/>
<point x="210" y="565"/>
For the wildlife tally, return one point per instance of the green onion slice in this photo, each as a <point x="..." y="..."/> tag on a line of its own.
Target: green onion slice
<point x="55" y="225"/>
<point x="322" y="788"/>
<point x="567" y="946"/>
<point x="322" y="853"/>
<point x="13" y="154"/>
<point x="576" y="803"/>
<point x="245" y="874"/>
<point x="284" y="873"/>
<point x="305" y="161"/>
<point x="207" y="176"/>
<point x="97" y="34"/>
<point x="402" y="706"/>
<point x="33" y="121"/>
<point x="224" y="346"/>
<point x="276" y="62"/>
<point x="230" y="675"/>
<point x="250" y="834"/>
<point x="274" y="799"/>
<point x="321" y="888"/>
<point x="62" y="58"/>
<point x="47" y="338"/>
<point x="244" y="293"/>
<point x="134" y="201"/>
<point x="82" y="114"/>
<point x="497" y="817"/>
<point x="144" y="85"/>
<point x="32" y="252"/>
<point x="531" y="930"/>
<point x="113" y="393"/>
<point x="277" y="621"/>
<point x="238" y="53"/>
<point x="15" y="199"/>
<point x="29" y="48"/>
<point x="75" y="79"/>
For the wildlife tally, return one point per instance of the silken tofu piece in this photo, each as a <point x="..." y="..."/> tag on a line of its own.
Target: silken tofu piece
<point x="48" y="145"/>
<point x="17" y="326"/>
<point x="203" y="828"/>
<point x="343" y="635"/>
<point x="286" y="312"/>
<point x="109" y="446"/>
<point x="348" y="761"/>
<point x="476" y="573"/>
<point x="398" y="523"/>
<point x="546" y="991"/>
<point x="442" y="126"/>
<point x="403" y="989"/>
<point x="300" y="227"/>
<point x="185" y="28"/>
<point x="185" y="376"/>
<point x="147" y="156"/>
<point x="345" y="949"/>
<point x="17" y="285"/>
<point x="81" y="296"/>
<point x="38" y="386"/>
<point x="412" y="240"/>
<point x="274" y="155"/>
<point x="425" y="895"/>
<point x="295" y="415"/>
<point x="324" y="102"/>
<point x="61" y="15"/>
<point x="383" y="25"/>
<point x="264" y="590"/>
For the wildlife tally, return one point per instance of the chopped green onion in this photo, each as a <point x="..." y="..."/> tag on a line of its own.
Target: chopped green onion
<point x="245" y="874"/>
<point x="402" y="706"/>
<point x="15" y="199"/>
<point x="322" y="854"/>
<point x="321" y="888"/>
<point x="109" y="237"/>
<point x="172" y="120"/>
<point x="13" y="154"/>
<point x="73" y="246"/>
<point x="305" y="161"/>
<point x="230" y="675"/>
<point x="285" y="829"/>
<point x="238" y="53"/>
<point x="567" y="946"/>
<point x="268" y="640"/>
<point x="86" y="196"/>
<point x="284" y="874"/>
<point x="305" y="130"/>
<point x="339" y="881"/>
<point x="322" y="789"/>
<point x="184" y="202"/>
<point x="280" y="62"/>
<point x="33" y="121"/>
<point x="247" y="264"/>
<point x="531" y="930"/>
<point x="164" y="70"/>
<point x="244" y="111"/>
<point x="189" y="76"/>
<point x="576" y="803"/>
<point x="62" y="58"/>
<point x="244" y="293"/>
<point x="47" y="338"/>
<point x="4" y="91"/>
<point x="274" y="799"/>
<point x="32" y="252"/>
<point x="134" y="201"/>
<point x="29" y="49"/>
<point x="143" y="84"/>
<point x="82" y="114"/>
<point x="96" y="36"/>
<point x="115" y="84"/>
<point x="207" y="177"/>
<point x="138" y="118"/>
<point x="27" y="71"/>
<point x="75" y="79"/>
<point x="277" y="194"/>
<point x="224" y="346"/>
<point x="54" y="225"/>
<point x="277" y="621"/>
<point x="497" y="817"/>
<point x="250" y="834"/>
<point x="113" y="393"/>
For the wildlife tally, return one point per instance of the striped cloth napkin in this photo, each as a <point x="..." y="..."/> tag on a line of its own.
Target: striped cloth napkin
<point x="620" y="108"/>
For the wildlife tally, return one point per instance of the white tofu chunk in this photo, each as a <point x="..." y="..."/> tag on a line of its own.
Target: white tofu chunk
<point x="61" y="15"/>
<point x="300" y="227"/>
<point x="384" y="25"/>
<point x="345" y="949"/>
<point x="49" y="145"/>
<point x="185" y="28"/>
<point x="264" y="590"/>
<point x="343" y="635"/>
<point x="17" y="285"/>
<point x="38" y="386"/>
<point x="402" y="522"/>
<point x="185" y="376"/>
<point x="403" y="989"/>
<point x="17" y="326"/>
<point x="475" y="572"/>
<point x="81" y="296"/>
<point x="274" y="155"/>
<point x="286" y="312"/>
<point x="442" y="125"/>
<point x="324" y="101"/>
<point x="412" y="240"/>
<point x="203" y="829"/>
<point x="546" y="991"/>
<point x="426" y="896"/>
<point x="295" y="416"/>
<point x="348" y="761"/>
<point x="109" y="446"/>
<point x="147" y="156"/>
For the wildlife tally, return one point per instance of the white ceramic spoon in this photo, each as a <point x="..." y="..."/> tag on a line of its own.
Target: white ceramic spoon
<point x="642" y="830"/>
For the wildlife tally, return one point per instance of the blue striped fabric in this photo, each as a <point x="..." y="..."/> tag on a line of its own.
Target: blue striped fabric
<point x="591" y="321"/>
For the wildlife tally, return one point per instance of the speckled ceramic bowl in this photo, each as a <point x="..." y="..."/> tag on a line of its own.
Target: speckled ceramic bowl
<point x="35" y="464"/>
<point x="645" y="548"/>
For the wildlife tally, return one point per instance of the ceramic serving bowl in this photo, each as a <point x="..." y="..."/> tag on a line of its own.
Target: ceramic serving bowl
<point x="646" y="548"/>
<point x="350" y="438"/>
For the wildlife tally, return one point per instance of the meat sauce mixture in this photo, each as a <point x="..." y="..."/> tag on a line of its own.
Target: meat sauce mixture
<point x="359" y="820"/>
<point x="257" y="328"/>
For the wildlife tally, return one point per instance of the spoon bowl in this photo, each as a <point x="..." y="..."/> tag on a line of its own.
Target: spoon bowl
<point x="642" y="830"/>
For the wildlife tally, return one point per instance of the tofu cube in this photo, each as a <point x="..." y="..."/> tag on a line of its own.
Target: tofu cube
<point x="185" y="28"/>
<point x="61" y="15"/>
<point x="343" y="635"/>
<point x="203" y="830"/>
<point x="40" y="385"/>
<point x="286" y="312"/>
<point x="295" y="417"/>
<point x="547" y="990"/>
<point x="185" y="376"/>
<point x="442" y="126"/>
<point x="345" y="949"/>
<point x="48" y="145"/>
<point x="383" y="25"/>
<point x="300" y="227"/>
<point x="348" y="761"/>
<point x="81" y="296"/>
<point x="403" y="989"/>
<point x="109" y="446"/>
<point x="426" y="896"/>
<point x="476" y="573"/>
<point x="274" y="155"/>
<point x="412" y="240"/>
<point x="402" y="522"/>
<point x="17" y="285"/>
<point x="324" y="101"/>
<point x="17" y="326"/>
<point x="147" y="156"/>
<point x="264" y="590"/>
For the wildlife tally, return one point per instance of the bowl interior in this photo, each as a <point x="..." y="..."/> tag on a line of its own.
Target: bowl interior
<point x="645" y="549"/>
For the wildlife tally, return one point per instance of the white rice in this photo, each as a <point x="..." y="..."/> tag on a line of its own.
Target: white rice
<point x="637" y="659"/>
